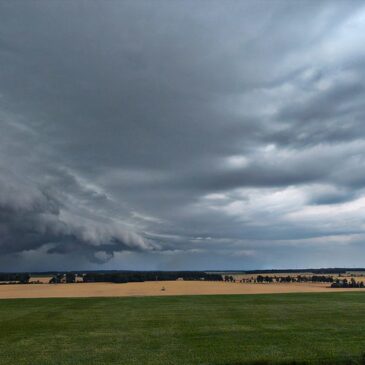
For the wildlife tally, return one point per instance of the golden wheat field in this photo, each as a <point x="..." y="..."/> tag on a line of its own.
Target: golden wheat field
<point x="157" y="288"/>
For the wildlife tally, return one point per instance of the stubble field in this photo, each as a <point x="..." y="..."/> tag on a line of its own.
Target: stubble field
<point x="154" y="288"/>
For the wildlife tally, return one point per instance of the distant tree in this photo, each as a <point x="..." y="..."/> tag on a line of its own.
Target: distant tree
<point x="260" y="279"/>
<point x="24" y="278"/>
<point x="70" y="277"/>
<point x="288" y="279"/>
<point x="56" y="279"/>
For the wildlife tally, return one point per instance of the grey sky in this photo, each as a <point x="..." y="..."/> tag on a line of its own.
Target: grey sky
<point x="182" y="135"/>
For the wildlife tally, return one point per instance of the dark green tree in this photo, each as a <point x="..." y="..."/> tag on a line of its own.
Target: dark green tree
<point x="70" y="277"/>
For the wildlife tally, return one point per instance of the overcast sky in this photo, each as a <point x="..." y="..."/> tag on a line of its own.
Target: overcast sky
<point x="182" y="135"/>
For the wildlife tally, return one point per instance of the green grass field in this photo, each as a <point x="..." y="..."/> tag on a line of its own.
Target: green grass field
<point x="215" y="330"/>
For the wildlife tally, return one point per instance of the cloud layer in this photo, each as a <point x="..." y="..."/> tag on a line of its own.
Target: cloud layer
<point x="181" y="135"/>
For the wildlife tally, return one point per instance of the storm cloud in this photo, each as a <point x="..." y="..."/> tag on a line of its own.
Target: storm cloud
<point x="181" y="135"/>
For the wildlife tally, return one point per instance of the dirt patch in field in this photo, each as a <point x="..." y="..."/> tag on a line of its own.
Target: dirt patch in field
<point x="155" y="288"/>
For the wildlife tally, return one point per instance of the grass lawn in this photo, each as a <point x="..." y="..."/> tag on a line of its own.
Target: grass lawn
<point x="214" y="330"/>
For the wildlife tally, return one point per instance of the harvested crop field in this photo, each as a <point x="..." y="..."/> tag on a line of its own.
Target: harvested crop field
<point x="155" y="288"/>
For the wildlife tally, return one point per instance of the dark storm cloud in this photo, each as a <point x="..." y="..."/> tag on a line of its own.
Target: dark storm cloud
<point x="36" y="216"/>
<point x="170" y="133"/>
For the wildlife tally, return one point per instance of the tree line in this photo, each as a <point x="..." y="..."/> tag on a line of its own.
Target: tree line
<point x="22" y="278"/>
<point x="125" y="277"/>
<point x="282" y="279"/>
<point x="347" y="284"/>
<point x="69" y="277"/>
<point x="296" y="279"/>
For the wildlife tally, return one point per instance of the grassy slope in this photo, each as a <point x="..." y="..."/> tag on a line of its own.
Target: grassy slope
<point x="216" y="330"/>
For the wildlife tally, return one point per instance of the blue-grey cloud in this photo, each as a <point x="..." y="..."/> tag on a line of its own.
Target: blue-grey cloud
<point x="181" y="134"/>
